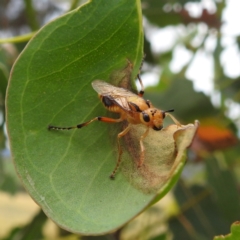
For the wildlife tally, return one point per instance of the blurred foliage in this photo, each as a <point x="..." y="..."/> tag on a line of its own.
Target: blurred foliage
<point x="235" y="233"/>
<point x="206" y="201"/>
<point x="31" y="231"/>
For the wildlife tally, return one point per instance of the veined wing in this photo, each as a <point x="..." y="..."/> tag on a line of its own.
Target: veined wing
<point x="105" y="89"/>
<point x="120" y="96"/>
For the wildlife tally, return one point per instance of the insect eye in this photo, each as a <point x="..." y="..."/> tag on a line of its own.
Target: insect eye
<point x="146" y="117"/>
<point x="163" y="114"/>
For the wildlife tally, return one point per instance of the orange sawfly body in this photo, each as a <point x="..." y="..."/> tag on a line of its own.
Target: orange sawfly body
<point x="131" y="107"/>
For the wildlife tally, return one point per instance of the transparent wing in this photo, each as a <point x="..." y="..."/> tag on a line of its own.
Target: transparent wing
<point x="120" y="96"/>
<point x="105" y="88"/>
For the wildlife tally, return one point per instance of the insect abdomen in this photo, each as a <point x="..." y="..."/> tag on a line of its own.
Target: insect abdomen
<point x="107" y="101"/>
<point x="109" y="104"/>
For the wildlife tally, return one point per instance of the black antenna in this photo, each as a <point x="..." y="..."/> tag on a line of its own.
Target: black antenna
<point x="171" y="110"/>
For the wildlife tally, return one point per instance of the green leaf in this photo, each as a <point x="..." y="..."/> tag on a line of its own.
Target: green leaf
<point x="230" y="88"/>
<point x="199" y="217"/>
<point x="234" y="235"/>
<point x="67" y="173"/>
<point x="153" y="10"/>
<point x="224" y="186"/>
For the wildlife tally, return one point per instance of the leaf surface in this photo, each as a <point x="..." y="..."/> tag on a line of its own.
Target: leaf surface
<point x="67" y="172"/>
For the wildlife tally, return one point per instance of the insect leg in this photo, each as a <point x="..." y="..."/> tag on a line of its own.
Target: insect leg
<point x="141" y="92"/>
<point x="102" y="119"/>
<point x="142" y="63"/>
<point x="174" y="119"/>
<point x="142" y="148"/>
<point x="121" y="134"/>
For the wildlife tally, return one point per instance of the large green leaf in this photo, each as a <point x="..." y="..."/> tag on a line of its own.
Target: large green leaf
<point x="67" y="173"/>
<point x="198" y="209"/>
<point x="224" y="186"/>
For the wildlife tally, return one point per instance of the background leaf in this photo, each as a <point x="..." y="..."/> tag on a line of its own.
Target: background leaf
<point x="234" y="235"/>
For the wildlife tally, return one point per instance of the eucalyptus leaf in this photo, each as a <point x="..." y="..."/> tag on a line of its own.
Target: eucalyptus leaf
<point x="67" y="172"/>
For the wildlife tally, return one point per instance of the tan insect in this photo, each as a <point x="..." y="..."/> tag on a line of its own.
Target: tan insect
<point x="132" y="108"/>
